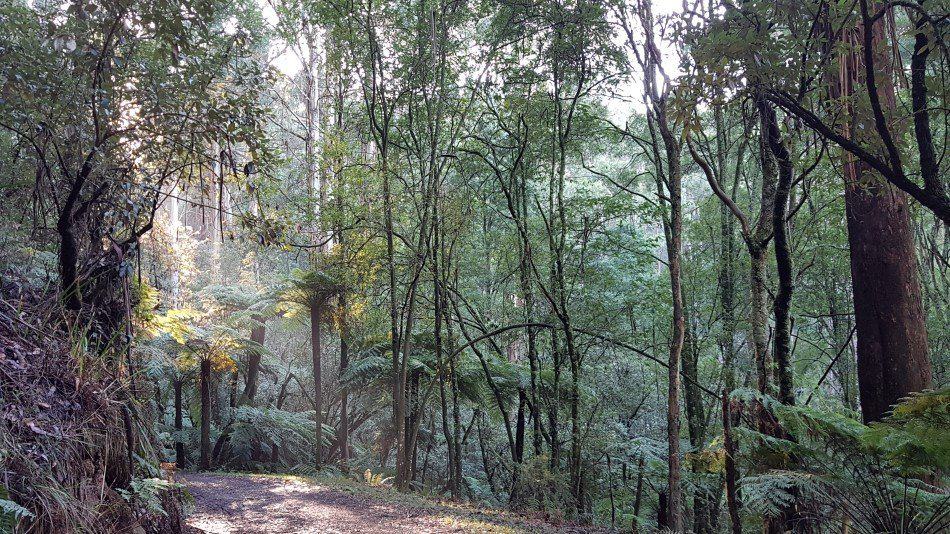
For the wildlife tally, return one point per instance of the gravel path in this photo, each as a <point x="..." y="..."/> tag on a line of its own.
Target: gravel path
<point x="232" y="504"/>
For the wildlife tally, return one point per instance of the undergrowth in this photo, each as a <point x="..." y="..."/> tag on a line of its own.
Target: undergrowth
<point x="77" y="453"/>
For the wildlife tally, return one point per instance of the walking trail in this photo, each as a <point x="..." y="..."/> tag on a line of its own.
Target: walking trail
<point x="238" y="504"/>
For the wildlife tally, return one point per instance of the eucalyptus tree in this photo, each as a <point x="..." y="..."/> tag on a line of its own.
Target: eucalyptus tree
<point x="893" y="357"/>
<point x="664" y="153"/>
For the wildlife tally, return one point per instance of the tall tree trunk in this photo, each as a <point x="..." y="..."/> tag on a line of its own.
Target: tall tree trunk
<point x="520" y="426"/>
<point x="727" y="272"/>
<point x="344" y="391"/>
<point x="732" y="477"/>
<point x="893" y="359"/>
<point x="783" y="260"/>
<point x="758" y="244"/>
<point x="342" y="75"/>
<point x="179" y="445"/>
<point x="254" y="364"/>
<point x="519" y="448"/>
<point x="669" y="178"/>
<point x="438" y="301"/>
<point x="696" y="425"/>
<point x="448" y="436"/>
<point x="638" y="496"/>
<point x="675" y="512"/>
<point x="414" y="417"/>
<point x="404" y="435"/>
<point x="315" y="318"/>
<point x="204" y="461"/>
<point x="759" y="316"/>
<point x="553" y="401"/>
<point x="527" y="293"/>
<point x="458" y="441"/>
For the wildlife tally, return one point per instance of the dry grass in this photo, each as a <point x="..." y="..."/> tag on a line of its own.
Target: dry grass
<point x="63" y="437"/>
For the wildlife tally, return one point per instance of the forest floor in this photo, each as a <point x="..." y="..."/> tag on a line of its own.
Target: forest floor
<point x="231" y="503"/>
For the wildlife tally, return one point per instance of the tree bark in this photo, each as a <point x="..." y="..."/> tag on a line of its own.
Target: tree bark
<point x="253" y="365"/>
<point x="732" y="477"/>
<point x="892" y="348"/>
<point x="315" y="318"/>
<point x="638" y="496"/>
<point x="781" y="307"/>
<point x="758" y="243"/>
<point x="344" y="391"/>
<point x="520" y="426"/>
<point x="696" y="423"/>
<point x="672" y="180"/>
<point x="204" y="461"/>
<point x="179" y="445"/>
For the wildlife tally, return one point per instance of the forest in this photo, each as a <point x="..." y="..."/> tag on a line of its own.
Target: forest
<point x="612" y="265"/>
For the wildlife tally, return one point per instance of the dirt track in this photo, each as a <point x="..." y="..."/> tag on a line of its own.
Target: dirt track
<point x="231" y="504"/>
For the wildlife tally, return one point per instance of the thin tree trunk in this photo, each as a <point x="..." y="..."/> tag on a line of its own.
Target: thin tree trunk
<point x="696" y="423"/>
<point x="732" y="484"/>
<point x="179" y="445"/>
<point x="783" y="260"/>
<point x="672" y="180"/>
<point x="676" y="349"/>
<point x="553" y="401"/>
<point x="253" y="364"/>
<point x="489" y="473"/>
<point x="457" y="439"/>
<point x="638" y="496"/>
<point x="524" y="271"/>
<point x="438" y="300"/>
<point x="315" y="318"/>
<point x="520" y="427"/>
<point x="344" y="391"/>
<point x="613" y="506"/>
<point x="727" y="290"/>
<point x="204" y="461"/>
<point x="758" y="250"/>
<point x="519" y="448"/>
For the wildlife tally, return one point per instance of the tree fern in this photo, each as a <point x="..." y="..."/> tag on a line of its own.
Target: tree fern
<point x="11" y="513"/>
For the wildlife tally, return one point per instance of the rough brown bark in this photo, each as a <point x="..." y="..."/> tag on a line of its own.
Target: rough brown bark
<point x="893" y="358"/>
